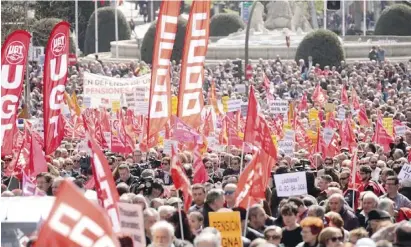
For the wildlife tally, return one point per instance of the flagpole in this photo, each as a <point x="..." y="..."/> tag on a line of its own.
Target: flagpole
<point x="354" y="168"/>
<point x="343" y="17"/>
<point x="180" y="216"/>
<point x="242" y="158"/>
<point x="365" y="18"/>
<point x="76" y="14"/>
<point x="325" y="14"/>
<point x="116" y="26"/>
<point x="96" y="26"/>
<point x="246" y="216"/>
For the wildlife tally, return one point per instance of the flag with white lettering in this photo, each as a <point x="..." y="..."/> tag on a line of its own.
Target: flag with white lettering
<point x="104" y="184"/>
<point x="76" y="221"/>
<point x="13" y="62"/>
<point x="160" y="95"/>
<point x="190" y="97"/>
<point x="55" y="76"/>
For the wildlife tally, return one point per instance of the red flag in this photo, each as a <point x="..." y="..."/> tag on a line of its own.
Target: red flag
<point x="13" y="63"/>
<point x="105" y="185"/>
<point x="160" y="95"/>
<point x="180" y="179"/>
<point x="37" y="163"/>
<point x="303" y="103"/>
<point x="76" y="221"/>
<point x="200" y="173"/>
<point x="208" y="125"/>
<point x="355" y="182"/>
<point x="362" y="117"/>
<point x="344" y="96"/>
<point x="381" y="136"/>
<point x="55" y="76"/>
<point x="190" y="97"/>
<point x="254" y="179"/>
<point x="319" y="97"/>
<point x="256" y="128"/>
<point x="354" y="99"/>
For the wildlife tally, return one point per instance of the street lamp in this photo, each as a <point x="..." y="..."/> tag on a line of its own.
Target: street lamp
<point x="247" y="34"/>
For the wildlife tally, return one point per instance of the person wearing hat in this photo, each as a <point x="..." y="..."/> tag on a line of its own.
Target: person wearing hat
<point x="376" y="219"/>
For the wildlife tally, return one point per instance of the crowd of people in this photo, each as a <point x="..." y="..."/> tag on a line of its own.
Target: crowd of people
<point x="332" y="214"/>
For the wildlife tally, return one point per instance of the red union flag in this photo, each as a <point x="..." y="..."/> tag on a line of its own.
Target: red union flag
<point x="76" y="221"/>
<point x="55" y="76"/>
<point x="13" y="62"/>
<point x="190" y="98"/>
<point x="104" y="183"/>
<point x="160" y="96"/>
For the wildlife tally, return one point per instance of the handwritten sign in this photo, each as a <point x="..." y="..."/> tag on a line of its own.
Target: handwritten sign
<point x="132" y="222"/>
<point x="229" y="225"/>
<point x="287" y="144"/>
<point x="388" y="124"/>
<point x="291" y="184"/>
<point x="405" y="173"/>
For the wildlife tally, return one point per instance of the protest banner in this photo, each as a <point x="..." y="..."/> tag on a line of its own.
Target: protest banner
<point x="174" y="103"/>
<point x="329" y="107"/>
<point x="132" y="222"/>
<point x="405" y="172"/>
<point x="328" y="134"/>
<point x="287" y="144"/>
<point x="229" y="225"/>
<point x="291" y="184"/>
<point x="99" y="87"/>
<point x="234" y="105"/>
<point x="388" y="124"/>
<point x="400" y="130"/>
<point x="168" y="144"/>
<point x="279" y="106"/>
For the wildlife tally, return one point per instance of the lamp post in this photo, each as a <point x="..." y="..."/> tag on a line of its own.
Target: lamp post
<point x="247" y="34"/>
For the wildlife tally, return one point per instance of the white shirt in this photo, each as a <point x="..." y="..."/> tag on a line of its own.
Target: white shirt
<point x="375" y="174"/>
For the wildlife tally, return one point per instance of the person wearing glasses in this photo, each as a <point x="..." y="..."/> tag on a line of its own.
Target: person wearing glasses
<point x="273" y="235"/>
<point x="330" y="237"/>
<point x="348" y="192"/>
<point x="311" y="228"/>
<point x="229" y="194"/>
<point x="392" y="186"/>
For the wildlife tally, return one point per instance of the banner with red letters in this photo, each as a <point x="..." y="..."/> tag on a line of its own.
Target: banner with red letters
<point x="55" y="76"/>
<point x="190" y="98"/>
<point x="104" y="184"/>
<point x="76" y="221"/>
<point x="160" y="97"/>
<point x="13" y="66"/>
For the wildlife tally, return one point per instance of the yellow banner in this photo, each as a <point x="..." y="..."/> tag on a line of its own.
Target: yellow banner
<point x="329" y="107"/>
<point x="388" y="124"/>
<point x="229" y="225"/>
<point x="115" y="105"/>
<point x="224" y="100"/>
<point x="174" y="103"/>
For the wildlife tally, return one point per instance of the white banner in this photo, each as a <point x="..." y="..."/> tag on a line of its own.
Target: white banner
<point x="291" y="184"/>
<point x="341" y="114"/>
<point x="328" y="134"/>
<point x="234" y="105"/>
<point x="279" y="106"/>
<point x="168" y="144"/>
<point x="400" y="130"/>
<point x="405" y="173"/>
<point x="287" y="144"/>
<point x="102" y="90"/>
<point x="241" y="88"/>
<point x="132" y="222"/>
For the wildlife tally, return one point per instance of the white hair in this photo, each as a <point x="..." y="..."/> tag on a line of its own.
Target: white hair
<point x="371" y="195"/>
<point x="385" y="204"/>
<point x="166" y="210"/>
<point x="163" y="225"/>
<point x="208" y="238"/>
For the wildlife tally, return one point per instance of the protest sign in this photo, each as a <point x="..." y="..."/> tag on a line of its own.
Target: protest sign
<point x="99" y="87"/>
<point x="132" y="222"/>
<point x="287" y="144"/>
<point x="174" y="103"/>
<point x="168" y="144"/>
<point x="328" y="134"/>
<point x="400" y="130"/>
<point x="240" y="88"/>
<point x="279" y="106"/>
<point x="234" y="105"/>
<point x="244" y="109"/>
<point x="329" y="107"/>
<point x="87" y="102"/>
<point x="291" y="184"/>
<point x="229" y="225"/>
<point x="224" y="101"/>
<point x="388" y="124"/>
<point x="341" y="114"/>
<point x="115" y="105"/>
<point x="405" y="172"/>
